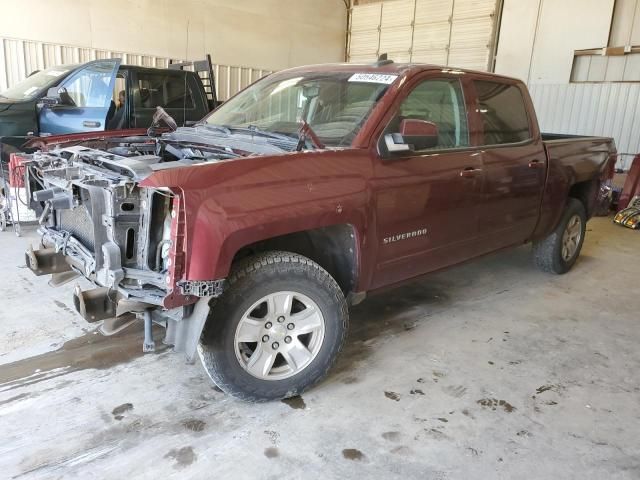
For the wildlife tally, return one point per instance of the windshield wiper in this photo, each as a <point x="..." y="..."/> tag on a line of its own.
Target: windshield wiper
<point x="210" y="126"/>
<point x="253" y="130"/>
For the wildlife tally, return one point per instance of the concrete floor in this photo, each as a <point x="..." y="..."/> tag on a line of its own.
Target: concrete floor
<point x="490" y="370"/>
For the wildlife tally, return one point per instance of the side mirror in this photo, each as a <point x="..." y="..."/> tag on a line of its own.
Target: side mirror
<point x="65" y="98"/>
<point x="51" y="99"/>
<point x="419" y="134"/>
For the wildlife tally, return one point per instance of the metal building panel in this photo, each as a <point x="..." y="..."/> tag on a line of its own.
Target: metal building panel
<point x="609" y="109"/>
<point x="433" y="36"/>
<point x="364" y="43"/>
<point x="18" y="58"/>
<point x="434" y="57"/>
<point x="433" y="11"/>
<point x="635" y="29"/>
<point x="397" y="13"/>
<point x="396" y="39"/>
<point x="615" y="69"/>
<point x="597" y="68"/>
<point x="366" y="17"/>
<point x="580" y="70"/>
<point x="474" y="33"/>
<point x="632" y="68"/>
<point x="472" y="58"/>
<point x="399" y="57"/>
<point x="364" y="58"/>
<point x="473" y="8"/>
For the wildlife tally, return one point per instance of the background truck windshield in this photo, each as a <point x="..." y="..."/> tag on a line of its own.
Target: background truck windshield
<point x="31" y="86"/>
<point x="335" y="105"/>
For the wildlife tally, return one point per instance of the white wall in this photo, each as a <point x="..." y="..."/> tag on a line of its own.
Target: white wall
<point x="267" y="34"/>
<point x="538" y="37"/>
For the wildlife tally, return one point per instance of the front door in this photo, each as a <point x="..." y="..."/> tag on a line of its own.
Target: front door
<point x="87" y="105"/>
<point x="426" y="199"/>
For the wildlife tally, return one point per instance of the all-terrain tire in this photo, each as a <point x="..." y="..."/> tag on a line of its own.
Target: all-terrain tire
<point x="252" y="279"/>
<point x="548" y="253"/>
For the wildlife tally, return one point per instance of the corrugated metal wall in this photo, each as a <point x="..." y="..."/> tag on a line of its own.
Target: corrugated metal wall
<point x="459" y="33"/>
<point x="608" y="109"/>
<point x="18" y="58"/>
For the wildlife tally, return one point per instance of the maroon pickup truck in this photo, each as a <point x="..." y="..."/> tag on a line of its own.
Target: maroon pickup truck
<point x="249" y="234"/>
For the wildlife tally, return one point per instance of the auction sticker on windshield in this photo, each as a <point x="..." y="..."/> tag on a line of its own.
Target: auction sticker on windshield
<point x="373" y="78"/>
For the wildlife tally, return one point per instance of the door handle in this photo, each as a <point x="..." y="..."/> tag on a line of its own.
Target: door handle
<point x="470" y="172"/>
<point x="536" y="164"/>
<point x="90" y="124"/>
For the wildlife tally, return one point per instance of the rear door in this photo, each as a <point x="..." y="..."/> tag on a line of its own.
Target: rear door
<point x="426" y="199"/>
<point x="88" y="105"/>
<point x="514" y="164"/>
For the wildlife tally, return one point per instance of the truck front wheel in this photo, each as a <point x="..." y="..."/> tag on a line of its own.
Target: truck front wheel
<point x="276" y="330"/>
<point x="559" y="251"/>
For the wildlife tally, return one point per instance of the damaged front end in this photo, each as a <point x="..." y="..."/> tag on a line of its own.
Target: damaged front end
<point x="97" y="222"/>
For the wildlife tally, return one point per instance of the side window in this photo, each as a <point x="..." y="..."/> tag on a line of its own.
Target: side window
<point x="168" y="91"/>
<point x="90" y="87"/>
<point x="440" y="102"/>
<point x="504" y="116"/>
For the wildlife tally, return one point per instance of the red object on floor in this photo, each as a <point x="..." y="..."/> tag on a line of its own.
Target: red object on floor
<point x="16" y="171"/>
<point x="631" y="185"/>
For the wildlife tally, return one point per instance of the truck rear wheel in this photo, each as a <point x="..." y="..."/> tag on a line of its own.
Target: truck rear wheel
<point x="559" y="251"/>
<point x="276" y="330"/>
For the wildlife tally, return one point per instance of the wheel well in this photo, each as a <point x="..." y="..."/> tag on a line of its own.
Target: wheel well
<point x="586" y="192"/>
<point x="333" y="248"/>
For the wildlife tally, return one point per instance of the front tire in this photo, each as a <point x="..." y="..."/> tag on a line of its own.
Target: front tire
<point x="276" y="330"/>
<point x="559" y="251"/>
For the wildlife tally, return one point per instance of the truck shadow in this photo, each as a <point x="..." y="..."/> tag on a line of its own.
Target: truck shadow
<point x="383" y="314"/>
<point x="396" y="311"/>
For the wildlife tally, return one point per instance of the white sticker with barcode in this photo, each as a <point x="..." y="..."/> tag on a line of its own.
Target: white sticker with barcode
<point x="373" y="78"/>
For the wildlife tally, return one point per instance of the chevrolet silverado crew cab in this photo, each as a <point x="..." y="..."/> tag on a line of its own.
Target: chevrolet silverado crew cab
<point x="249" y="234"/>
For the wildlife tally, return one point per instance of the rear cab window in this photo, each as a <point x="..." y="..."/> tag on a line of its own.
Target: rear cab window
<point x="165" y="90"/>
<point x="502" y="112"/>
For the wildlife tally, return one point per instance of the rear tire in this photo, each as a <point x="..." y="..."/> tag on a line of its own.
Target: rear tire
<point x="276" y="330"/>
<point x="559" y="251"/>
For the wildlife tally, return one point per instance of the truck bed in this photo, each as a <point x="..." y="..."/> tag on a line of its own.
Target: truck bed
<point x="582" y="158"/>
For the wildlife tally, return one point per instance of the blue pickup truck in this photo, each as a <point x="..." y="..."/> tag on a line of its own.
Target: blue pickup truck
<point x="101" y="95"/>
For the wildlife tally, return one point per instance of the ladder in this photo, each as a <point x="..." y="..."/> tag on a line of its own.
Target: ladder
<point x="204" y="69"/>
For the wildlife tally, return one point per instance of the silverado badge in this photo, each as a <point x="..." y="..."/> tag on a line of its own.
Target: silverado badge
<point x="404" y="236"/>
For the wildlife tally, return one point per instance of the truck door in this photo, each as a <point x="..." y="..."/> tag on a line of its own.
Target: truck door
<point x="426" y="195"/>
<point x="86" y="100"/>
<point x="514" y="164"/>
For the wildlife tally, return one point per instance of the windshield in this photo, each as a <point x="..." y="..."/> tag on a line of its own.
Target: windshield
<point x="335" y="105"/>
<point x="31" y="86"/>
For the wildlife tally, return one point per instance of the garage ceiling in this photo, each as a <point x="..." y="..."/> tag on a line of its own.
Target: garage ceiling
<point x="459" y="33"/>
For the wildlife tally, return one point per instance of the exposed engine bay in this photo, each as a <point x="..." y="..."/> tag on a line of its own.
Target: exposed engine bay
<point x="97" y="222"/>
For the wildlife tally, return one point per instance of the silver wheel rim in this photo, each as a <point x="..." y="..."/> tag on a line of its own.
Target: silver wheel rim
<point x="279" y="335"/>
<point x="571" y="238"/>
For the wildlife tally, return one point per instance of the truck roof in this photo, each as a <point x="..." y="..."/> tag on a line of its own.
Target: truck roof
<point x="389" y="67"/>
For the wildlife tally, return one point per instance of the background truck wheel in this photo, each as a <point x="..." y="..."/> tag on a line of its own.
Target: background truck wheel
<point x="276" y="330"/>
<point x="558" y="252"/>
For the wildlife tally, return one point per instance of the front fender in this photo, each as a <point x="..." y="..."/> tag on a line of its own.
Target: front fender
<point x="232" y="204"/>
